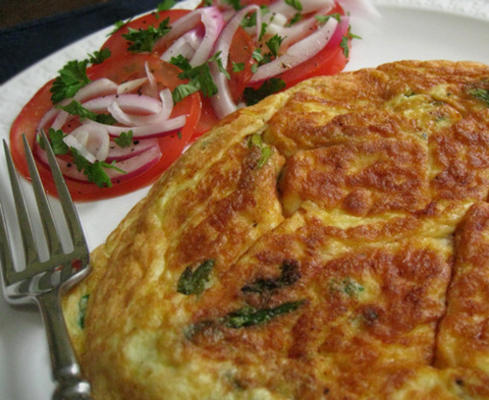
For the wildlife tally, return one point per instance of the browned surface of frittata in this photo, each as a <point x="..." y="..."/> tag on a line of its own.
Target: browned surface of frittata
<point x="359" y="201"/>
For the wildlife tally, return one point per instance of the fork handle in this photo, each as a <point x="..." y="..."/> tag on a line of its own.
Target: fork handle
<point x="66" y="371"/>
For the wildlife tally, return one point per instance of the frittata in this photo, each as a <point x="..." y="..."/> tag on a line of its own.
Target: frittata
<point x="330" y="242"/>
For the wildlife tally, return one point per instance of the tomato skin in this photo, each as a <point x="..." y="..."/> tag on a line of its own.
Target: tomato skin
<point x="118" y="45"/>
<point x="119" y="70"/>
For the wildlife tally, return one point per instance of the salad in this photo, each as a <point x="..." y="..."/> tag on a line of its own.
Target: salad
<point x="120" y="116"/>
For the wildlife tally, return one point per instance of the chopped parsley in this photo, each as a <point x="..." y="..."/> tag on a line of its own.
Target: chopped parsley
<point x="97" y="57"/>
<point x="257" y="141"/>
<point x="238" y="67"/>
<point x="249" y="316"/>
<point x="274" y="43"/>
<point x="288" y="276"/>
<point x="296" y="4"/>
<point x="75" y="108"/>
<point x="480" y="94"/>
<point x="322" y="19"/>
<point x="345" y="39"/>
<point x="72" y="77"/>
<point x="143" y="40"/>
<point x="55" y="137"/>
<point x="165" y="5"/>
<point x="95" y="172"/>
<point x="118" y="25"/>
<point x="270" y="86"/>
<point x="236" y="4"/>
<point x="124" y="139"/>
<point x="296" y="18"/>
<point x="82" y="310"/>
<point x="199" y="77"/>
<point x="194" y="281"/>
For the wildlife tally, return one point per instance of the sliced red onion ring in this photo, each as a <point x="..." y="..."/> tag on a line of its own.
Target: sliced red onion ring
<point x="99" y="87"/>
<point x="124" y="118"/>
<point x="132" y="167"/>
<point x="185" y="46"/>
<point x="213" y="22"/>
<point x="151" y="78"/>
<point x="299" y="52"/>
<point x="128" y="102"/>
<point x="72" y="141"/>
<point x="222" y="102"/>
<point x="117" y="153"/>
<point x="147" y="131"/>
<point x="94" y="139"/>
<point x="131" y="85"/>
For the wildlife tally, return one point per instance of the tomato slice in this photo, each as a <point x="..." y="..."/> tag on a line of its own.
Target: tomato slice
<point x="329" y="61"/>
<point x="119" y="70"/>
<point x="118" y="45"/>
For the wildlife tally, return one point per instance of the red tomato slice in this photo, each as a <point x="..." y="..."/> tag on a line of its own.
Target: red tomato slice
<point x="118" y="45"/>
<point x="118" y="70"/>
<point x="329" y="61"/>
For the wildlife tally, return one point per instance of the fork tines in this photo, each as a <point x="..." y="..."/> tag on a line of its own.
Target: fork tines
<point x="60" y="266"/>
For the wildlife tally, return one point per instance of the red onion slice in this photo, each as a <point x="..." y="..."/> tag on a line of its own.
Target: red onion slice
<point x="185" y="46"/>
<point x="280" y="7"/>
<point x="298" y="53"/>
<point x="90" y="140"/>
<point x="117" y="153"/>
<point x="147" y="131"/>
<point x="137" y="120"/>
<point x="131" y="85"/>
<point x="213" y="22"/>
<point x="128" y="102"/>
<point x="99" y="87"/>
<point x="222" y="102"/>
<point x="132" y="167"/>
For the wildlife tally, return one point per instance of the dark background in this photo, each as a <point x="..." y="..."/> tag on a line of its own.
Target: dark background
<point x="33" y="29"/>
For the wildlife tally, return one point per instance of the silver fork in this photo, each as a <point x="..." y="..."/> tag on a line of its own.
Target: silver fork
<point x="43" y="281"/>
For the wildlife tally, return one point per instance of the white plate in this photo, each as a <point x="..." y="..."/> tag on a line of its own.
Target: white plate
<point x="408" y="29"/>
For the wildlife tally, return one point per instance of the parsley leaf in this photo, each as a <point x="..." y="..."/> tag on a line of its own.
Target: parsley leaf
<point x="75" y="108"/>
<point x="199" y="77"/>
<point x="296" y="18"/>
<point x="56" y="140"/>
<point x="236" y="4"/>
<point x="193" y="282"/>
<point x="481" y="94"/>
<point x="95" y="172"/>
<point x="82" y="310"/>
<point x="270" y="86"/>
<point x="165" y="5"/>
<point x="124" y="139"/>
<point x="345" y="39"/>
<point x="238" y="67"/>
<point x="322" y="19"/>
<point x="99" y="56"/>
<point x="274" y="44"/>
<point x="118" y="25"/>
<point x="143" y="40"/>
<point x="72" y="77"/>
<point x="294" y="4"/>
<point x="248" y="316"/>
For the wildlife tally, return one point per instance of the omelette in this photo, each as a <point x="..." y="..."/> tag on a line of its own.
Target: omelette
<point x="329" y="242"/>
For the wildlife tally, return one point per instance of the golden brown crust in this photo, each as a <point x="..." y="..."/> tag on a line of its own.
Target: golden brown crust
<point x="348" y="229"/>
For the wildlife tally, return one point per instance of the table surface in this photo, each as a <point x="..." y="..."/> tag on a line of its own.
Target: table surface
<point x="33" y="29"/>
